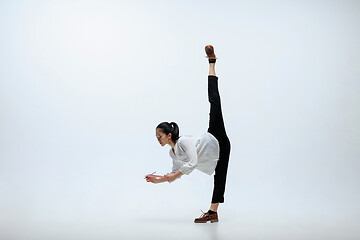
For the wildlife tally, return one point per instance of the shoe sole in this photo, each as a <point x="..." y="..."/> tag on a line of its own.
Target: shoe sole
<point x="212" y="221"/>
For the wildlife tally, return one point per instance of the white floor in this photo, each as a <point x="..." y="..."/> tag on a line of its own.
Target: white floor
<point x="167" y="226"/>
<point x="112" y="209"/>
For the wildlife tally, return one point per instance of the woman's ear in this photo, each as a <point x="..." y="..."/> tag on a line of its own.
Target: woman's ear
<point x="169" y="135"/>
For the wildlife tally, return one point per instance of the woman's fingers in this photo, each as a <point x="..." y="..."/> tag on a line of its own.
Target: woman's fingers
<point x="150" y="179"/>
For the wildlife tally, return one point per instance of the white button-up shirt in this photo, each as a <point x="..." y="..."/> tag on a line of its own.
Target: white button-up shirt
<point x="201" y="153"/>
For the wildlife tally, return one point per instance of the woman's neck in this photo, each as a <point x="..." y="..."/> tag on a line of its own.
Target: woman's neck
<point x="172" y="144"/>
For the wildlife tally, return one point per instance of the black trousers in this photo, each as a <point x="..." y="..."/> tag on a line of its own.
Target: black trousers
<point x="217" y="129"/>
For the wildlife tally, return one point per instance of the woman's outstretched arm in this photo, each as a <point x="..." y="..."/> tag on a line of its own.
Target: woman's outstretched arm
<point x="166" y="178"/>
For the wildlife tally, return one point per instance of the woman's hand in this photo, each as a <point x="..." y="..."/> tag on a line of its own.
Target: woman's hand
<point x="150" y="178"/>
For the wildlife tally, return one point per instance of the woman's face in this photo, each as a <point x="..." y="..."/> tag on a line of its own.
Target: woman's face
<point x="162" y="137"/>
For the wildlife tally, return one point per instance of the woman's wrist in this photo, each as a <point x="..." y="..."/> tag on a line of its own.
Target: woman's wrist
<point x="163" y="179"/>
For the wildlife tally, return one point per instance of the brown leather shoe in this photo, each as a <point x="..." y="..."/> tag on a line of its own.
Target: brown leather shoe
<point x="210" y="52"/>
<point x="207" y="217"/>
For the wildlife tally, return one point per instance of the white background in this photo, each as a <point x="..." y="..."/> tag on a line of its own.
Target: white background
<point x="83" y="85"/>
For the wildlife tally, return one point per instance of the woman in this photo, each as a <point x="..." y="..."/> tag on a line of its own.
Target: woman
<point x="208" y="153"/>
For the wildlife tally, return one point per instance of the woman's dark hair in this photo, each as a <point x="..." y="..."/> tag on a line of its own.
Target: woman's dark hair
<point x="170" y="128"/>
